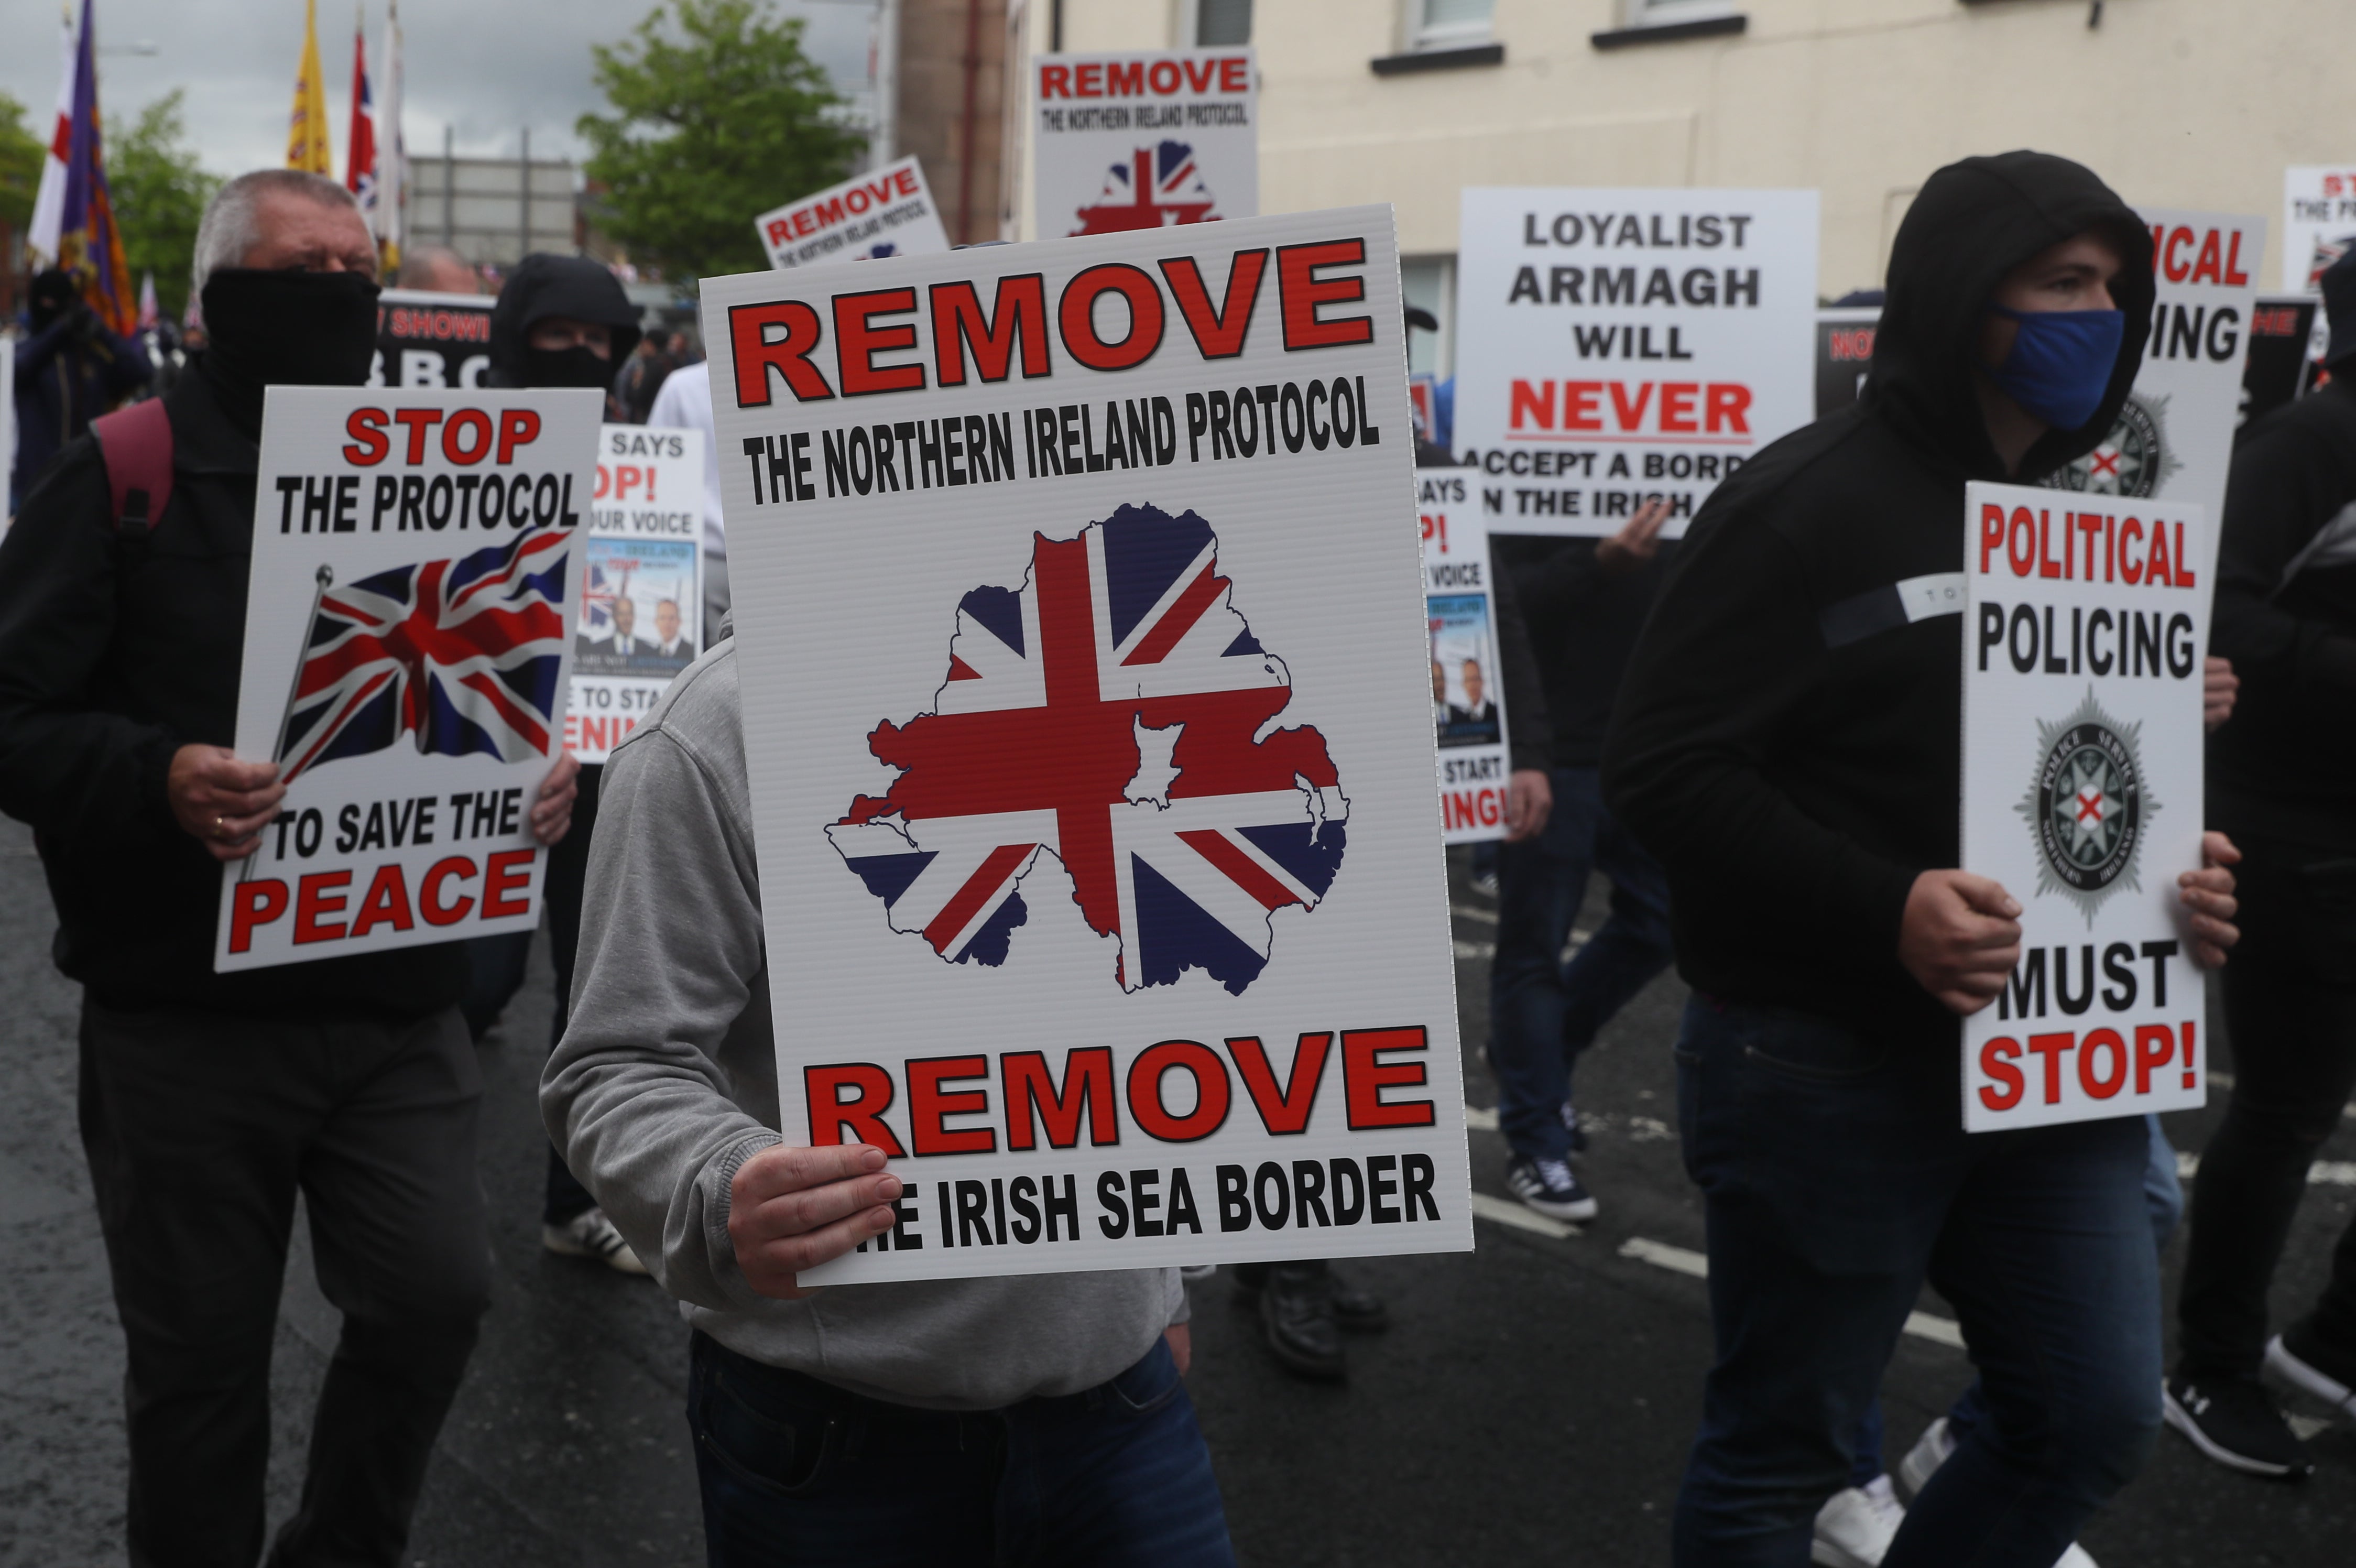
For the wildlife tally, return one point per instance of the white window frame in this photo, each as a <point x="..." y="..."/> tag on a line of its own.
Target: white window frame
<point x="1669" y="13"/>
<point x="1420" y="40"/>
<point x="1186" y="25"/>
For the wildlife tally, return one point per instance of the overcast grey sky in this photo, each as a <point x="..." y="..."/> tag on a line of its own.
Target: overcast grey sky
<point x="485" y="67"/>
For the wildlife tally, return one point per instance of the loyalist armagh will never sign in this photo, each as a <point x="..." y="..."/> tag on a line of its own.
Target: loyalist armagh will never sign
<point x="406" y="650"/>
<point x="1084" y="685"/>
<point x="2085" y="622"/>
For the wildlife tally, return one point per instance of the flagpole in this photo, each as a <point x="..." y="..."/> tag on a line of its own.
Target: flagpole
<point x="323" y="579"/>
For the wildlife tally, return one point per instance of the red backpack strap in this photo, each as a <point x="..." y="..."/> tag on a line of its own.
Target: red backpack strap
<point x="136" y="443"/>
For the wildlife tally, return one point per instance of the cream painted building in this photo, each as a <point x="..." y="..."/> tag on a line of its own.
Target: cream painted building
<point x="2194" y="103"/>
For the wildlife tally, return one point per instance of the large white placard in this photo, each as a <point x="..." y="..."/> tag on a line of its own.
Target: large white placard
<point x="2174" y="437"/>
<point x="406" y="650"/>
<point x="1080" y="632"/>
<point x="1468" y="688"/>
<point x="641" y="605"/>
<point x="1144" y="141"/>
<point x="1616" y="345"/>
<point x="2085" y="624"/>
<point x="887" y="212"/>
<point x="2319" y="220"/>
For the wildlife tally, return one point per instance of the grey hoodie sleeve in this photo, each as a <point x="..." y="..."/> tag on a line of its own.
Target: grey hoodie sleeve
<point x="670" y="966"/>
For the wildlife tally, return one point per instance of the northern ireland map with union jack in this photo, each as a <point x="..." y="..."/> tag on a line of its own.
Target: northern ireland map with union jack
<point x="1115" y="712"/>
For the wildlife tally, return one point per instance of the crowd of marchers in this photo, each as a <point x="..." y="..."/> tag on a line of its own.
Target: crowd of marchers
<point x="1684" y="723"/>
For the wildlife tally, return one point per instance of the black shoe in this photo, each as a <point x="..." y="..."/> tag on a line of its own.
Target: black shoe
<point x="1296" y="1319"/>
<point x="2232" y="1422"/>
<point x="1549" y="1188"/>
<point x="2304" y="1360"/>
<point x="1356" y="1310"/>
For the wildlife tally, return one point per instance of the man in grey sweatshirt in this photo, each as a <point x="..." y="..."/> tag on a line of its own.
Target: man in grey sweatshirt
<point x="1030" y="1419"/>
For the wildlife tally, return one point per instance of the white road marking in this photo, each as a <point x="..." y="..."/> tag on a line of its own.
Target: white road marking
<point x="2322" y="1172"/>
<point x="1478" y="951"/>
<point x="2305" y="1427"/>
<point x="1486" y="1119"/>
<point x="1466" y="912"/>
<point x="1503" y="1211"/>
<point x="1685" y="1260"/>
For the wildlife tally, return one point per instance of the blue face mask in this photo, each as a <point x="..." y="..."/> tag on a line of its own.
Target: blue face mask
<point x="2061" y="362"/>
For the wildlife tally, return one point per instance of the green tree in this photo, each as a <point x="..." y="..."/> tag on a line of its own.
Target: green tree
<point x="21" y="166"/>
<point x="159" y="193"/>
<point x="718" y="122"/>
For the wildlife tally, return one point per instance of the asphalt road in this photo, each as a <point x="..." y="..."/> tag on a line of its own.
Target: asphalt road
<point x="1532" y="1402"/>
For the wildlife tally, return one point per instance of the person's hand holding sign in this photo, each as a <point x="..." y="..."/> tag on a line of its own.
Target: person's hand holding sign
<point x="221" y="801"/>
<point x="2208" y="894"/>
<point x="1959" y="938"/>
<point x="1638" y="541"/>
<point x="791" y="1209"/>
<point x="1529" y="802"/>
<point x="552" y="810"/>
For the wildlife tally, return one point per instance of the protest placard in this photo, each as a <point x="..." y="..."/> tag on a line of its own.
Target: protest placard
<point x="2319" y="222"/>
<point x="641" y="581"/>
<point x="1844" y="354"/>
<point x="2084" y="623"/>
<point x="1468" y="691"/>
<point x="888" y="211"/>
<point x="425" y="339"/>
<point x="1144" y="141"/>
<point x="405" y="659"/>
<point x="2173" y="439"/>
<point x="1616" y="345"/>
<point x="2281" y="365"/>
<point x="1078" y="629"/>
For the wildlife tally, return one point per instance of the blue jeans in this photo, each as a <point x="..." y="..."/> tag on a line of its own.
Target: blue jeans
<point x="1836" y="1178"/>
<point x="795" y="1471"/>
<point x="2163" y="1198"/>
<point x="1542" y="1011"/>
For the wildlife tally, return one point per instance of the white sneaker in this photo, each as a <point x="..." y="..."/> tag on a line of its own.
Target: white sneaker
<point x="1930" y="1452"/>
<point x="590" y="1234"/>
<point x="1854" y="1528"/>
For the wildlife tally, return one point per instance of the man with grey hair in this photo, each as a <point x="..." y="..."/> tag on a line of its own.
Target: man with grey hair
<point x="209" y="1101"/>
<point x="439" y="270"/>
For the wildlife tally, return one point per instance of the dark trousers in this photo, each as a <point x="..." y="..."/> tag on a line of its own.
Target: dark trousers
<point x="199" y="1131"/>
<point x="568" y="872"/>
<point x="1836" y="1178"/>
<point x="1542" y="1011"/>
<point x="2291" y="1005"/>
<point x="795" y="1471"/>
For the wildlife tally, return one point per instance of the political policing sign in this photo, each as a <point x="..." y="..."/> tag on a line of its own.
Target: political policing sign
<point x="1468" y="697"/>
<point x="1616" y="345"/>
<point x="641" y="581"/>
<point x="2085" y="622"/>
<point x="2319" y="222"/>
<point x="2173" y="439"/>
<point x="1144" y="141"/>
<point x="887" y="212"/>
<point x="406" y="663"/>
<point x="425" y="339"/>
<point x="1079" y="633"/>
<point x="2280" y="368"/>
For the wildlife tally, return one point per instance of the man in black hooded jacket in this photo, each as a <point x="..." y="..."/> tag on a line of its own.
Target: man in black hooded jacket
<point x="208" y="1100"/>
<point x="1788" y="747"/>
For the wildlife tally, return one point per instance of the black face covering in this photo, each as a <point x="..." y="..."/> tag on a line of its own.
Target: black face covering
<point x="286" y="328"/>
<point x="578" y="366"/>
<point x="52" y="293"/>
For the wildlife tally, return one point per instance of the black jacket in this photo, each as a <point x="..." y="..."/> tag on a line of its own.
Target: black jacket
<point x="1788" y="749"/>
<point x="111" y="658"/>
<point x="2285" y="766"/>
<point x="1583" y="623"/>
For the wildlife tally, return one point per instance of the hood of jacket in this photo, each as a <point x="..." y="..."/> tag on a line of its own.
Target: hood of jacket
<point x="1973" y="222"/>
<point x="544" y="285"/>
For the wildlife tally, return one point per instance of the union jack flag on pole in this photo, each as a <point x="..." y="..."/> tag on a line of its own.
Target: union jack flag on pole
<point x="461" y="654"/>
